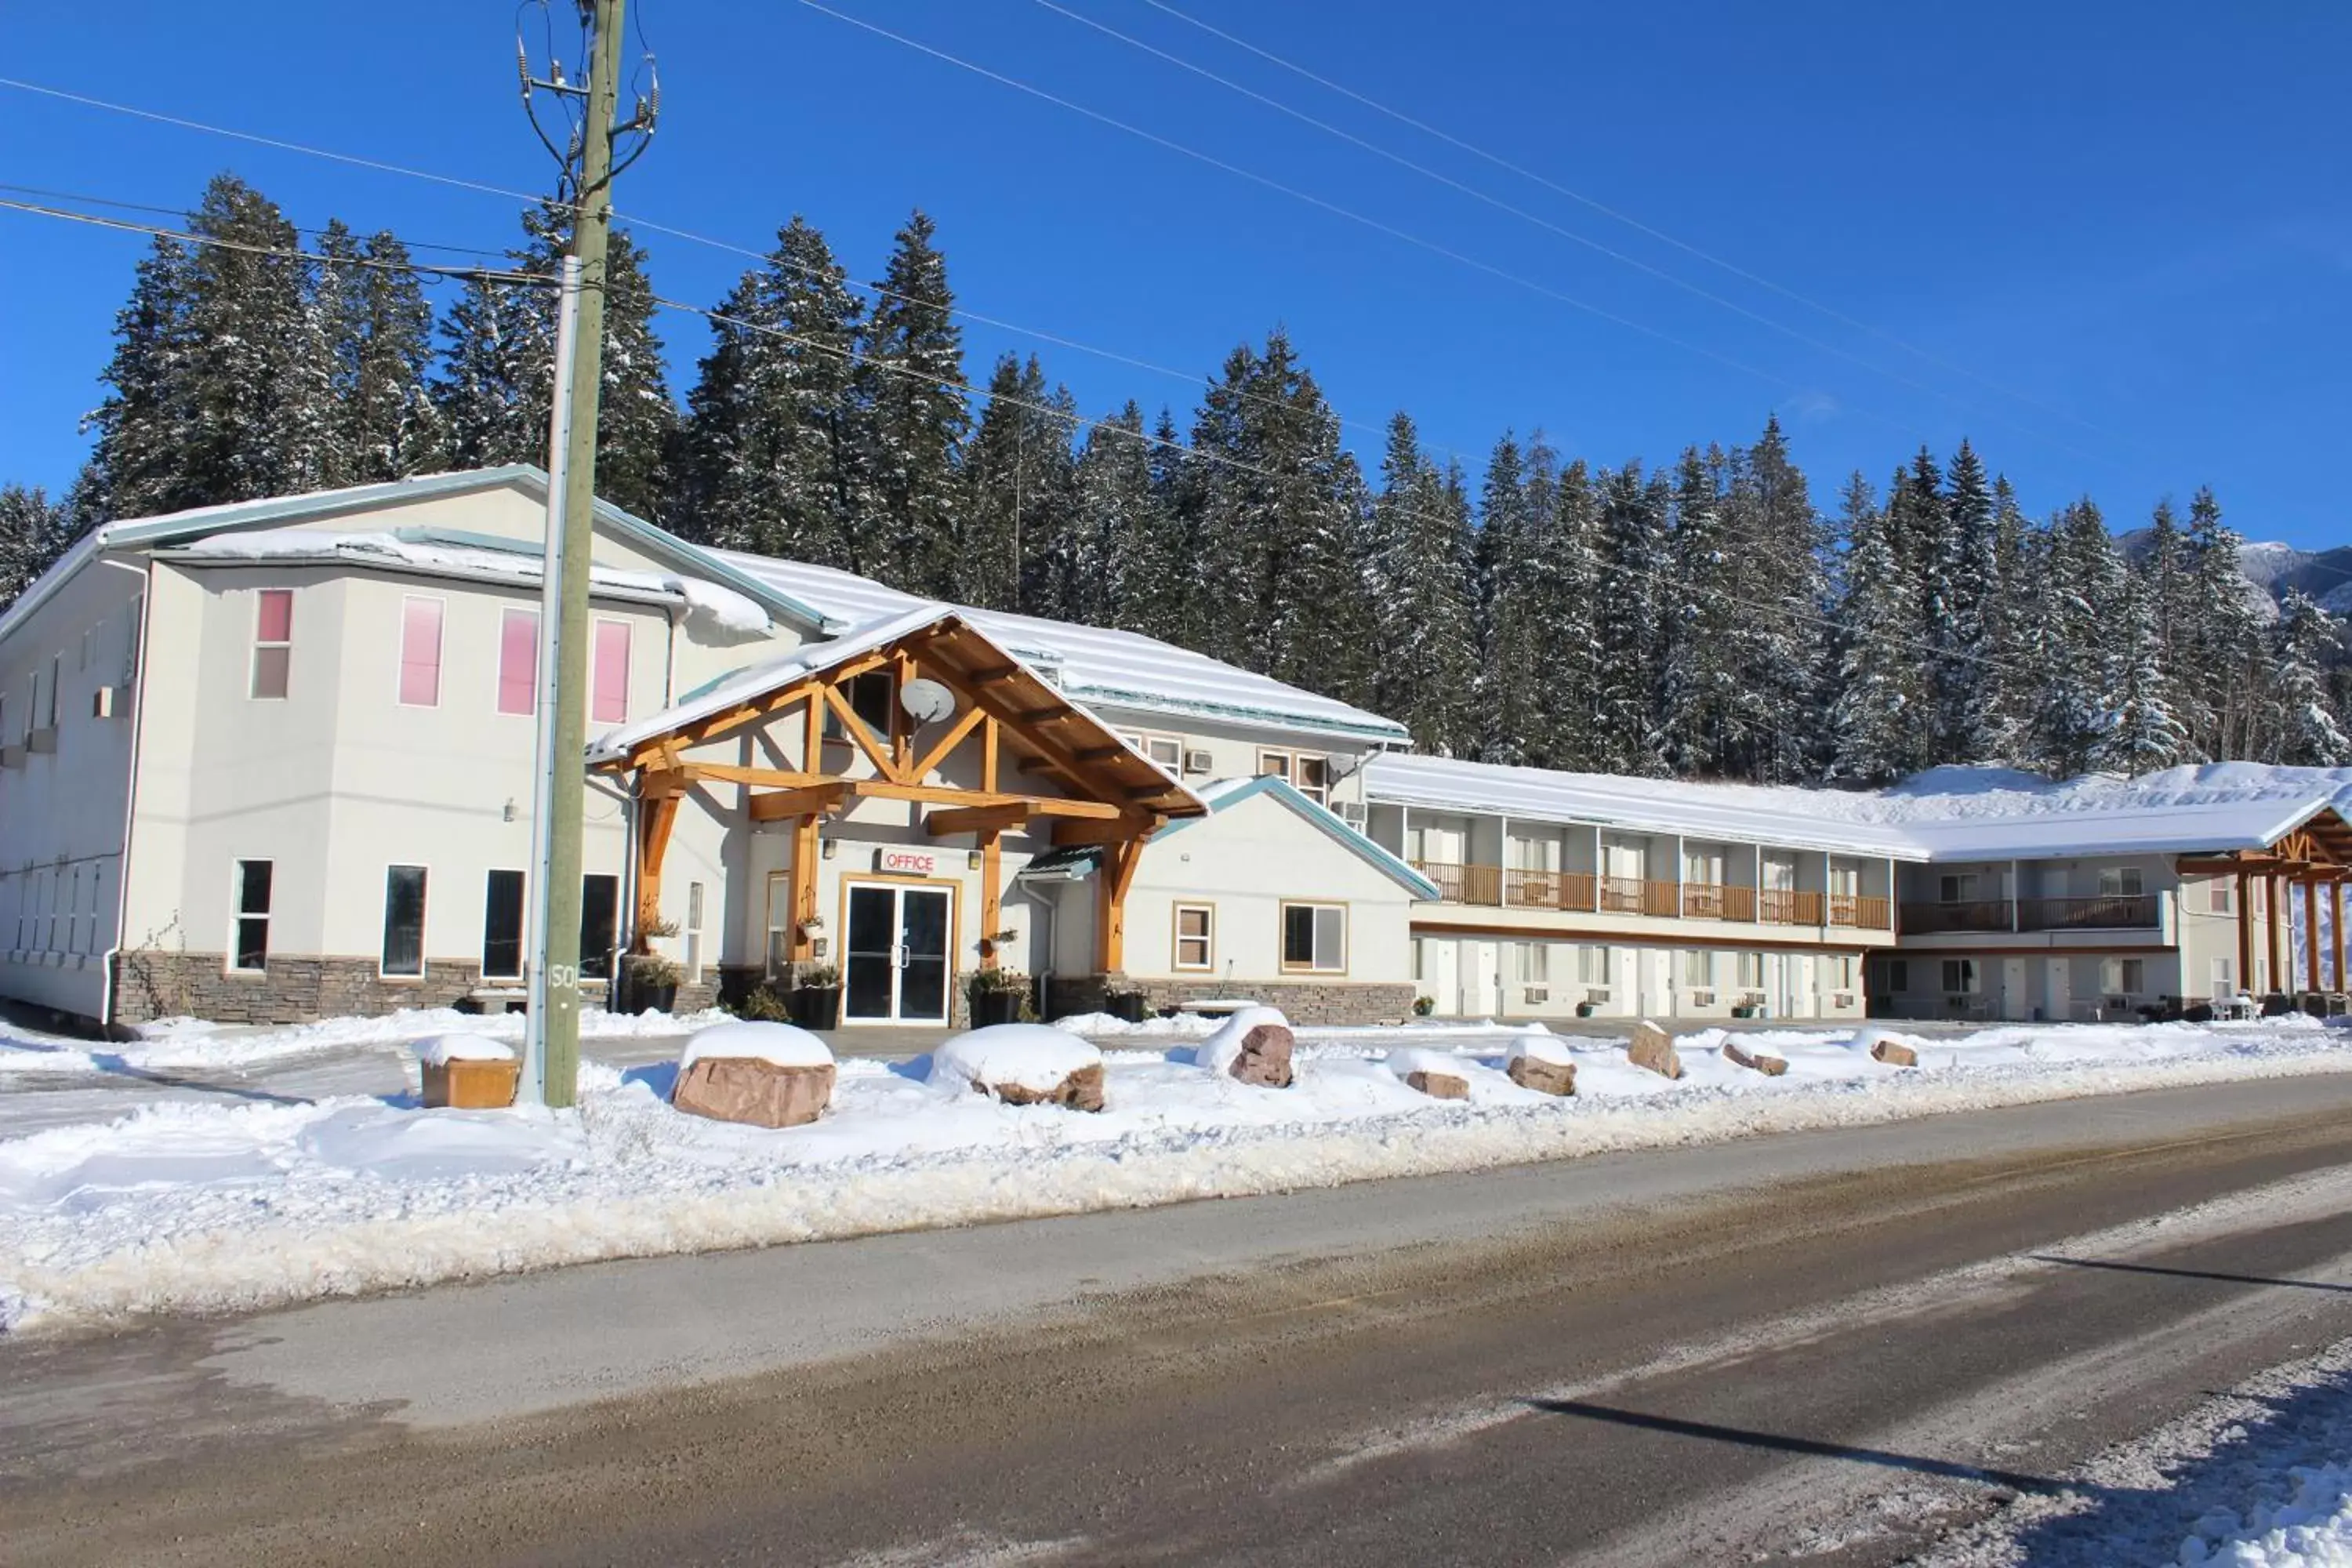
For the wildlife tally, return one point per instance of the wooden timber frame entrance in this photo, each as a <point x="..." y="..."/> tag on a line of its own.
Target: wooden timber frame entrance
<point x="1015" y="728"/>
<point x="2315" y="856"/>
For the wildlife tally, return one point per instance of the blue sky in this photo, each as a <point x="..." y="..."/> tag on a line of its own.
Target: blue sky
<point x="2121" y="236"/>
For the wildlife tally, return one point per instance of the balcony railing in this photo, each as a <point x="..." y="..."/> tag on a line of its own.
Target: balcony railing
<point x="2123" y="911"/>
<point x="1573" y="891"/>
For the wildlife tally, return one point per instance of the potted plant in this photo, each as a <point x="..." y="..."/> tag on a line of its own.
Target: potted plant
<point x="816" y="1000"/>
<point x="996" y="995"/>
<point x="652" y="980"/>
<point x="1423" y="1007"/>
<point x="1128" y="1006"/>
<point x="1585" y="1009"/>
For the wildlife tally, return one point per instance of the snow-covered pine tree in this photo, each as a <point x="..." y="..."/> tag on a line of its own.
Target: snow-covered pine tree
<point x="2224" y="639"/>
<point x="1162" y="590"/>
<point x="1702" y="703"/>
<point x="1631" y="591"/>
<point x="733" y="430"/>
<point x="1968" y="577"/>
<point x="482" y="395"/>
<point x="2308" y="726"/>
<point x="2084" y="645"/>
<point x="378" y="330"/>
<point x="1014" y="540"/>
<point x="1778" y="537"/>
<point x="1876" y="731"/>
<point x="1509" y="619"/>
<point x="1121" y="533"/>
<point x="135" y="468"/>
<point x="1564" y="556"/>
<point x="2138" y="732"/>
<point x="1428" y="676"/>
<point x="33" y="534"/>
<point x="912" y="380"/>
<point x="2007" y="688"/>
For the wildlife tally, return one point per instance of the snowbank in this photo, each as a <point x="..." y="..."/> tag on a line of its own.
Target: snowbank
<point x="1034" y="1056"/>
<point x="206" y="1208"/>
<point x="1412" y="1059"/>
<point x="1539" y="1044"/>
<point x="440" y="1050"/>
<point x="785" y="1044"/>
<point x="1218" y="1051"/>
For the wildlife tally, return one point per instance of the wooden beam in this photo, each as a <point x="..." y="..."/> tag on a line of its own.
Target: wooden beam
<point x="1059" y="711"/>
<point x="664" y="783"/>
<point x="2245" y="930"/>
<point x="816" y="800"/>
<point x="804" y="886"/>
<point x="713" y="726"/>
<point x="987" y="674"/>
<point x="2336" y="929"/>
<point x="973" y="718"/>
<point x="991" y="744"/>
<point x="2311" y="936"/>
<point x="813" y="737"/>
<point x="990" y="820"/>
<point x="2279" y="975"/>
<point x="1098" y="754"/>
<point x="902" y="729"/>
<point x="660" y="814"/>
<point x="1120" y="861"/>
<point x="762" y="778"/>
<point x="991" y="897"/>
<point x="859" y="736"/>
<point x="1079" y="834"/>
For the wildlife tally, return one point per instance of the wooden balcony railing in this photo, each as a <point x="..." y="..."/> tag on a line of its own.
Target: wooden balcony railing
<point x="1788" y="906"/>
<point x="1925" y="918"/>
<point x="1718" y="902"/>
<point x="1547" y="890"/>
<point x="1582" y="890"/>
<point x="1861" y="911"/>
<point x="2121" y="911"/>
<point x="1464" y="884"/>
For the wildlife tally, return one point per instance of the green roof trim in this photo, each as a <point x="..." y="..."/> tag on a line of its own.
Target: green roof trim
<point x="1338" y="832"/>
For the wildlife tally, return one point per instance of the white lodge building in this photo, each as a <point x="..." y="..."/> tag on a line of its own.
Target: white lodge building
<point x="272" y="762"/>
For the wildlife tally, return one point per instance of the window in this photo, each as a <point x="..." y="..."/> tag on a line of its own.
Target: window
<point x="2225" y="981"/>
<point x="502" y="926"/>
<point x="1592" y="966"/>
<point x="609" y="693"/>
<point x="1959" y="975"/>
<point x="1703" y="866"/>
<point x="2123" y="976"/>
<point x="869" y="698"/>
<point x="2222" y="897"/>
<point x="694" y="932"/>
<point x="249" y="954"/>
<point x="1196" y="926"/>
<point x="1698" y="966"/>
<point x="1275" y="762"/>
<point x="1315" y="936"/>
<point x="519" y="662"/>
<point x="2119" y="881"/>
<point x="273" y="642"/>
<point x="599" y="924"/>
<point x="1897" y="971"/>
<point x="1961" y="888"/>
<point x="56" y="680"/>
<point x="1535" y="963"/>
<point x="1311" y="776"/>
<point x="420" y="653"/>
<point x="1840" y="970"/>
<point x="403" y="920"/>
<point x="1166" y="752"/>
<point x="1751" y="970"/>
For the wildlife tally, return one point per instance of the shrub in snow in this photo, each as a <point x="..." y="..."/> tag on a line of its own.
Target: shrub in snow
<point x="1437" y="1074"/>
<point x="1253" y="1045"/>
<point x="1023" y="1064"/>
<point x="1653" y="1048"/>
<point x="1760" y="1060"/>
<point x="1540" y="1060"/>
<point x="767" y="1075"/>
<point x="468" y="1072"/>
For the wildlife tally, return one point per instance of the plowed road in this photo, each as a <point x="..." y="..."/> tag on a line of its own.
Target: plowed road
<point x="1825" y="1348"/>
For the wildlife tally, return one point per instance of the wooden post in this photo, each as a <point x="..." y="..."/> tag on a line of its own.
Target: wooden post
<point x="2275" y="909"/>
<point x="660" y="814"/>
<point x="991" y="897"/>
<point x="2336" y="929"/>
<point x="804" y="885"/>
<point x="2245" y="930"/>
<point x="1119" y="859"/>
<point x="2310" y="935"/>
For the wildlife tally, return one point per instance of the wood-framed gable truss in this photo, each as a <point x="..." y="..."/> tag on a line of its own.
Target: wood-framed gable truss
<point x="1011" y="732"/>
<point x="2314" y="854"/>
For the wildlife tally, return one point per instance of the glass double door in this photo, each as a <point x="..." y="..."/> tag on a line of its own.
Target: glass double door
<point x="895" y="961"/>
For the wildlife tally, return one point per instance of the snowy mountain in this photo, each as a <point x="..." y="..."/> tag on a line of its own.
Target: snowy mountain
<point x="2271" y="569"/>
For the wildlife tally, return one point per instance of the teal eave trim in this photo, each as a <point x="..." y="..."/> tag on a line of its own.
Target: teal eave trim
<point x="1331" y="826"/>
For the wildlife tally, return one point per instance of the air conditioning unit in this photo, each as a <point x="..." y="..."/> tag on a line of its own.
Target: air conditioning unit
<point x="1351" y="812"/>
<point x="1199" y="762"/>
<point x="1596" y="994"/>
<point x="1842" y="999"/>
<point x="105" y="702"/>
<point x="1702" y="998"/>
<point x="1539" y="993"/>
<point x="1753" y="998"/>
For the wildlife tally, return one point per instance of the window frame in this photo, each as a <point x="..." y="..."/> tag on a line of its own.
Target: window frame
<point x="2221" y="895"/>
<point x="423" y="906"/>
<point x="440" y="641"/>
<point x="508" y="615"/>
<point x="1743" y="963"/>
<point x="522" y="923"/>
<point x="1290" y="770"/>
<point x="2119" y="968"/>
<point x="1534" y="962"/>
<point x="239" y="915"/>
<point x="1177" y="937"/>
<point x="2129" y="881"/>
<point x="835" y="734"/>
<point x="284" y="646"/>
<point x="1971" y="977"/>
<point x="597" y="693"/>
<point x="1144" y="739"/>
<point x="1585" y="953"/>
<point x="1702" y="960"/>
<point x="1313" y="966"/>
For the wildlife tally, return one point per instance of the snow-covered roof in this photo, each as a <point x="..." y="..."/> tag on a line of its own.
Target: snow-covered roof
<point x="1221" y="794"/>
<point x="1099" y="665"/>
<point x="1946" y="814"/>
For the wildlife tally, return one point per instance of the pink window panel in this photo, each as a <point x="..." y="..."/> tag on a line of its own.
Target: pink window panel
<point x="277" y="615"/>
<point x="519" y="662"/>
<point x="420" y="653"/>
<point x="609" y="693"/>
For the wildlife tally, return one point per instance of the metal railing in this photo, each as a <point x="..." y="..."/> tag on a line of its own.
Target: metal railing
<point x="1927" y="917"/>
<point x="2118" y="911"/>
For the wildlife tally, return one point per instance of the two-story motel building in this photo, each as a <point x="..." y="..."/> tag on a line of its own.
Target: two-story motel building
<point x="272" y="760"/>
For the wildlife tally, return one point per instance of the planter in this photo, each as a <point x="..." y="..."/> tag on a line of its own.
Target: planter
<point x="1127" y="1007"/>
<point x="652" y="998"/>
<point x="814" y="1006"/>
<point x="992" y="1008"/>
<point x="1585" y="1009"/>
<point x="471" y="1084"/>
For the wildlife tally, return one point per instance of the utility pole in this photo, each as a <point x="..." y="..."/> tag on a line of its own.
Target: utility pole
<point x="551" y="1042"/>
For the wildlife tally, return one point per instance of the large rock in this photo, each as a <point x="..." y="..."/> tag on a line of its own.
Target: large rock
<point x="1023" y="1064"/>
<point x="753" y="1089"/>
<point x="1894" y="1054"/>
<point x="1543" y="1077"/>
<point x="1080" y="1090"/>
<point x="1653" y="1048"/>
<point x="1253" y="1046"/>
<point x="1759" y="1060"/>
<point x="1439" y="1085"/>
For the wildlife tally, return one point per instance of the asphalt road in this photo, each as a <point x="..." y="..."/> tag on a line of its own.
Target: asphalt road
<point x="1825" y="1348"/>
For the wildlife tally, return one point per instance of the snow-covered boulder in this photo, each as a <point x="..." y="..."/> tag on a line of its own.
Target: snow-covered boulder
<point x="1884" y="1048"/>
<point x="768" y="1075"/>
<point x="468" y="1072"/>
<point x="1540" y="1060"/>
<point x="1441" y="1075"/>
<point x="1253" y="1045"/>
<point x="1023" y="1064"/>
<point x="1653" y="1048"/>
<point x="1755" y="1058"/>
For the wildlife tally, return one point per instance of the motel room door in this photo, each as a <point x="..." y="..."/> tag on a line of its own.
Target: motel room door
<point x="895" y="962"/>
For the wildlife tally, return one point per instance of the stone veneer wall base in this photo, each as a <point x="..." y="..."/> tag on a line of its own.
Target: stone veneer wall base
<point x="302" y="989"/>
<point x="1324" y="1002"/>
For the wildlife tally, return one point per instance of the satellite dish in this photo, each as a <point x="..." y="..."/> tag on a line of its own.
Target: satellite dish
<point x="926" y="701"/>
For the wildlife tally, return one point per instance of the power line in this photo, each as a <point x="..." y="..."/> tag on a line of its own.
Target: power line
<point x="182" y="213"/>
<point x="1538" y="221"/>
<point x="432" y="269"/>
<point x="1637" y="225"/>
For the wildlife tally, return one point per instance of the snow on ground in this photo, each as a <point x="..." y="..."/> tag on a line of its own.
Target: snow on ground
<point x="211" y="1207"/>
<point x="2260" y="1476"/>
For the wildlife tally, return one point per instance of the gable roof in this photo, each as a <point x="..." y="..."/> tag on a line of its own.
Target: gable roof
<point x="1096" y="663"/>
<point x="1223" y="794"/>
<point x="936" y="625"/>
